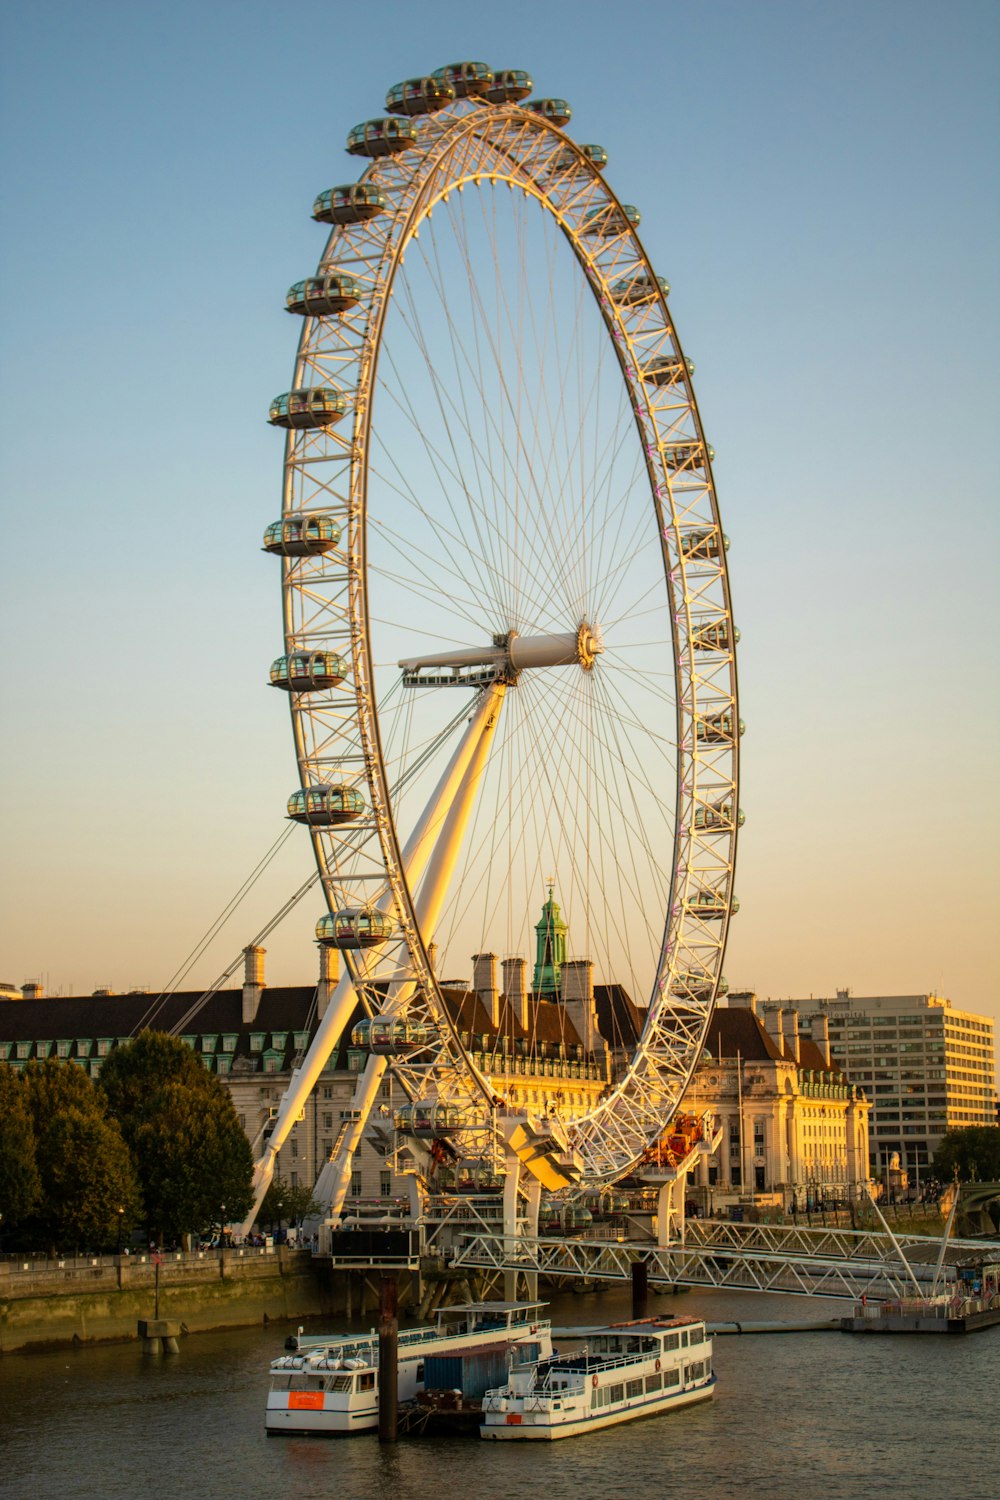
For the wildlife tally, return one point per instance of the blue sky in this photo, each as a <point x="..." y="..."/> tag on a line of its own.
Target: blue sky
<point x="816" y="182"/>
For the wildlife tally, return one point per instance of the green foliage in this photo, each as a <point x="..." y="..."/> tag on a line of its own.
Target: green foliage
<point x="89" y="1193"/>
<point x="285" y="1204"/>
<point x="189" y="1148"/>
<point x="20" y="1183"/>
<point x="974" y="1151"/>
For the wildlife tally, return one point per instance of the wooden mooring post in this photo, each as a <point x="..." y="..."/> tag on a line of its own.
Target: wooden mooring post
<point x="388" y="1361"/>
<point x="640" y="1288"/>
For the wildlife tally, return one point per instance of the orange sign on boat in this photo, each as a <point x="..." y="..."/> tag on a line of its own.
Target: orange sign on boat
<point x="305" y="1400"/>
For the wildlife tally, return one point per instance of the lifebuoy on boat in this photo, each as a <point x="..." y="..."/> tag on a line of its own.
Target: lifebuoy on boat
<point x="657" y="1364"/>
<point x="593" y="1380"/>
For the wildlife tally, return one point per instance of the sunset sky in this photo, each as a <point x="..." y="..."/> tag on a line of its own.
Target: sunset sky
<point x="817" y="183"/>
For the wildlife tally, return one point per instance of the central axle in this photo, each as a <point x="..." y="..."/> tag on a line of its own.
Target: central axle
<point x="506" y="658"/>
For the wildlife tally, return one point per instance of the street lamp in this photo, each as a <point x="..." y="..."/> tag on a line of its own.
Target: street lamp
<point x="280" y="1207"/>
<point x="222" y="1225"/>
<point x="121" y="1215"/>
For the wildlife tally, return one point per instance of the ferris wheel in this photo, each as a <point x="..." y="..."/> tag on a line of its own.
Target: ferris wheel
<point x="509" y="646"/>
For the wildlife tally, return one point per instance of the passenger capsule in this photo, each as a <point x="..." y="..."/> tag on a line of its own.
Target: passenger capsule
<point x="356" y="928"/>
<point x="419" y="96"/>
<point x="703" y="546"/>
<point x="711" y="906"/>
<point x="567" y="158"/>
<point x="383" y="137"/>
<point x="611" y="219"/>
<point x="717" y="729"/>
<point x="668" y="369"/>
<point x="639" y="289"/>
<point x="556" y="111"/>
<point x="310" y="406"/>
<point x="308" y="671"/>
<point x="467" y="78"/>
<point x="717" y="818"/>
<point x="392" y="1036"/>
<point x="688" y="453"/>
<point x="691" y="985"/>
<point x="351" y="203"/>
<point x="302" y="536"/>
<point x="431" y="1118"/>
<point x="333" y="293"/>
<point x="715" y="636"/>
<point x="325" y="806"/>
<point x="508" y="87"/>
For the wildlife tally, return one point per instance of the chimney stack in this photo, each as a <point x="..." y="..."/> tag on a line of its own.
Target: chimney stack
<point x="484" y="982"/>
<point x="821" y="1036"/>
<point x="745" y="1000"/>
<point x="329" y="974"/>
<point x="773" y="1019"/>
<point x="791" y="1029"/>
<point x="253" y="980"/>
<point x="578" y="998"/>
<point x="514" y="991"/>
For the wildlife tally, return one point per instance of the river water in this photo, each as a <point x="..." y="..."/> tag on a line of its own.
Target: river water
<point x="807" y="1416"/>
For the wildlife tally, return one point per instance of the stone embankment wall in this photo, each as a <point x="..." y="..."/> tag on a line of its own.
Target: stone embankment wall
<point x="46" y="1303"/>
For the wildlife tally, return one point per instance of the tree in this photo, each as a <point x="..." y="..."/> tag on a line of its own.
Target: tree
<point x="974" y="1151"/>
<point x="286" y="1204"/>
<point x="20" y="1184"/>
<point x="89" y="1192"/>
<point x="190" y="1150"/>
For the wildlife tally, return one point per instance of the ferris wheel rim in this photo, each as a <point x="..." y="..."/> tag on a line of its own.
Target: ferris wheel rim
<point x="469" y="121"/>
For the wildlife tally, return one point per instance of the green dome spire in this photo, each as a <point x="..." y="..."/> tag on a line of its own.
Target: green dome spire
<point x="550" y="948"/>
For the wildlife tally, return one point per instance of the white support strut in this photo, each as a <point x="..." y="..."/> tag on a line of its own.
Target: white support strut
<point x="432" y="825"/>
<point x="335" y="1178"/>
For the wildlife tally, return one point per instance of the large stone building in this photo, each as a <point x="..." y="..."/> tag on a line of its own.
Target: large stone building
<point x="546" y="1047"/>
<point x="926" y="1067"/>
<point x="794" y="1124"/>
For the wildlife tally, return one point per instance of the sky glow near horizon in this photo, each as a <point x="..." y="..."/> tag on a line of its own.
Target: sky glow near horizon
<point x="814" y="183"/>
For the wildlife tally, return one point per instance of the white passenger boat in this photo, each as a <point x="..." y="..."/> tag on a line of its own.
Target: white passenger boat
<point x="623" y="1371"/>
<point x="329" y="1386"/>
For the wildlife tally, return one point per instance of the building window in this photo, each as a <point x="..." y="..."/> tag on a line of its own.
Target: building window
<point x="301" y="1041"/>
<point x="295" y="1147"/>
<point x="62" y="1049"/>
<point x="270" y="1065"/>
<point x="229" y="1042"/>
<point x="209" y="1043"/>
<point x="293" y="1179"/>
<point x="256" y="1041"/>
<point x="327" y="1091"/>
<point x="384" y="1184"/>
<point x="24" y="1049"/>
<point x="222" y="1064"/>
<point x="355" y="1184"/>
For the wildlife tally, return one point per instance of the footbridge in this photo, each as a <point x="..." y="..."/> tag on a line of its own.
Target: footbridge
<point x="847" y="1263"/>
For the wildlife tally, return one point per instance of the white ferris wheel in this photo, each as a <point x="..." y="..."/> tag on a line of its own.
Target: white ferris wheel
<point x="509" y="647"/>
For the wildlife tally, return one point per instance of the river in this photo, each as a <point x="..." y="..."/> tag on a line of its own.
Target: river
<point x="806" y="1416"/>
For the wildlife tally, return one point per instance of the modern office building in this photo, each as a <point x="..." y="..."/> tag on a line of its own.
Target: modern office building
<point x="925" y="1066"/>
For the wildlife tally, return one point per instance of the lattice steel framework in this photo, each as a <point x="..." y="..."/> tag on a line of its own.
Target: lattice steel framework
<point x="327" y="607"/>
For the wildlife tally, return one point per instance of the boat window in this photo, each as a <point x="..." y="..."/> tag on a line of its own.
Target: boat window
<point x="633" y="1388"/>
<point x="684" y="1339"/>
<point x="672" y="1341"/>
<point x="671" y="1377"/>
<point x="654" y="1382"/>
<point x="420" y="1369"/>
<point x="616" y="1393"/>
<point x="366" y="1380"/>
